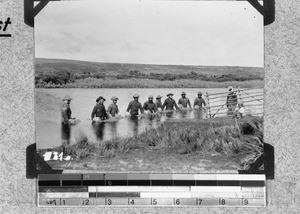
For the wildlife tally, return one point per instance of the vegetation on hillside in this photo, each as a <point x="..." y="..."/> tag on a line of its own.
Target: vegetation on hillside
<point x="52" y="73"/>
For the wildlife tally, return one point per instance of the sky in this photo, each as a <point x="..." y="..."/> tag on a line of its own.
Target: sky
<point x="208" y="33"/>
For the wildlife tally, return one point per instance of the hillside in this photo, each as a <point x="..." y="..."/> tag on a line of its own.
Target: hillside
<point x="68" y="73"/>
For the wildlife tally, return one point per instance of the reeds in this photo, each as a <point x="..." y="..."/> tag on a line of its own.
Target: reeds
<point x="241" y="139"/>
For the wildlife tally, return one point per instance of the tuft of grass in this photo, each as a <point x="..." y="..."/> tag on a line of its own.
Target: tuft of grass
<point x="81" y="148"/>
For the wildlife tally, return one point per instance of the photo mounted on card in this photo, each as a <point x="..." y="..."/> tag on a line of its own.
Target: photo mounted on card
<point x="149" y="86"/>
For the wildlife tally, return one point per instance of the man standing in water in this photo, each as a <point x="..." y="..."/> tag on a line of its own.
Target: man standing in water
<point x="184" y="101"/>
<point x="134" y="107"/>
<point x="170" y="103"/>
<point x="66" y="111"/>
<point x="150" y="105"/>
<point x="158" y="103"/>
<point x="99" y="112"/>
<point x="199" y="105"/>
<point x="231" y="101"/>
<point x="113" y="109"/>
<point x="66" y="120"/>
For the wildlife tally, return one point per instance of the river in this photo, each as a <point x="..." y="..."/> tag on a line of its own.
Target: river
<point x="50" y="132"/>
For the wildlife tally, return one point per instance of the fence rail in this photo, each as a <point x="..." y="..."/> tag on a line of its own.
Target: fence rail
<point x="249" y="99"/>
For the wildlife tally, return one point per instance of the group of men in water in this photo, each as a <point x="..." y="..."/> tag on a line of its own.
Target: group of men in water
<point x="100" y="113"/>
<point x="135" y="107"/>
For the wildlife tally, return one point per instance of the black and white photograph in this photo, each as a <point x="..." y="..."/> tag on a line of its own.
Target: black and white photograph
<point x="149" y="86"/>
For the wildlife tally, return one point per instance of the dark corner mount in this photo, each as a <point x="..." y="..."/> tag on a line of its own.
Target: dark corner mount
<point x="30" y="11"/>
<point x="267" y="10"/>
<point x="36" y="165"/>
<point x="264" y="164"/>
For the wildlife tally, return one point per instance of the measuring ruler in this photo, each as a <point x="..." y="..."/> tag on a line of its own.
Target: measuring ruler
<point x="120" y="189"/>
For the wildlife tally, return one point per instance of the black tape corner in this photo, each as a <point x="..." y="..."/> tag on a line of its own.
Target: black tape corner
<point x="266" y="161"/>
<point x="36" y="165"/>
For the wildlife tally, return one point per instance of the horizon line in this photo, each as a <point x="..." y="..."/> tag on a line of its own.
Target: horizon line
<point x="129" y="63"/>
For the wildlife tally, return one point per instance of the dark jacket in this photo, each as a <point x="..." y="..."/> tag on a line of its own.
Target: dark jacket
<point x="169" y="104"/>
<point x="231" y="99"/>
<point x="113" y="109"/>
<point x="99" y="111"/>
<point x="65" y="113"/>
<point x="199" y="102"/>
<point x="134" y="107"/>
<point x="158" y="104"/>
<point x="184" y="102"/>
<point x="150" y="106"/>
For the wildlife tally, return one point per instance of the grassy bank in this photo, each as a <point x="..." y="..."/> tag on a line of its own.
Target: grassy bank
<point x="242" y="140"/>
<point x="148" y="83"/>
<point x="54" y="73"/>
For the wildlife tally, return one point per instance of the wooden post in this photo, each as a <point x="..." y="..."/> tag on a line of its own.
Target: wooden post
<point x="208" y="105"/>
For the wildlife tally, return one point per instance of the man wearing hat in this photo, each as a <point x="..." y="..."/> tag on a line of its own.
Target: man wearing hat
<point x="112" y="109"/>
<point x="170" y="103"/>
<point x="66" y="110"/>
<point x="134" y="107"/>
<point x="150" y="105"/>
<point x="199" y="101"/>
<point x="199" y="105"/>
<point x="184" y="101"/>
<point x="158" y="103"/>
<point x="231" y="101"/>
<point x="99" y="112"/>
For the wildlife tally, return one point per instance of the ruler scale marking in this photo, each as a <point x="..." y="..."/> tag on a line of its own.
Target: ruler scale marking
<point x="121" y="189"/>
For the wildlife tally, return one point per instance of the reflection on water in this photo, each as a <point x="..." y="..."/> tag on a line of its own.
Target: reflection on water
<point x="126" y="126"/>
<point x="65" y="133"/>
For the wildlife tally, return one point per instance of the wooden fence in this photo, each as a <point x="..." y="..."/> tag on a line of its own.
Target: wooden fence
<point x="252" y="100"/>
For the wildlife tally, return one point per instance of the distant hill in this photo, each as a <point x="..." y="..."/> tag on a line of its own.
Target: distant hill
<point x="53" y="73"/>
<point x="74" y="66"/>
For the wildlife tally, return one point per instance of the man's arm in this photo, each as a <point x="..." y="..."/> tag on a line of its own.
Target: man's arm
<point x="141" y="109"/>
<point x="105" y="113"/>
<point x="176" y="105"/>
<point x="94" y="112"/>
<point x="189" y="103"/>
<point x="129" y="107"/>
<point x="195" y="102"/>
<point x="165" y="103"/>
<point x="145" y="106"/>
<point x="109" y="108"/>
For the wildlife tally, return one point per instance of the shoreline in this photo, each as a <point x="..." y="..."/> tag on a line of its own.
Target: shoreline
<point x="148" y="83"/>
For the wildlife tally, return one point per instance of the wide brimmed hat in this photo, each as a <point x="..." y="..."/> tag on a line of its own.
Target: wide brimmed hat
<point x="99" y="98"/>
<point x="170" y="94"/>
<point x="199" y="92"/>
<point x="136" y="95"/>
<point x="230" y="88"/>
<point x="114" y="98"/>
<point x="158" y="97"/>
<point x="150" y="96"/>
<point x="67" y="98"/>
<point x="183" y="93"/>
